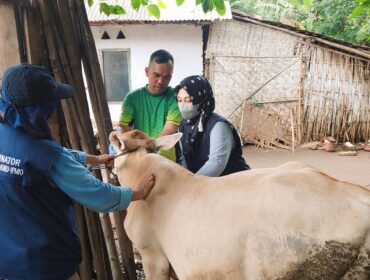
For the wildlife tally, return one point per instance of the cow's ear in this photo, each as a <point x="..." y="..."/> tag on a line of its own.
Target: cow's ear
<point x="114" y="141"/>
<point x="168" y="141"/>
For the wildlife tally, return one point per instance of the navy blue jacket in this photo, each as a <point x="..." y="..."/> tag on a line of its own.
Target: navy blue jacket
<point x="38" y="233"/>
<point x="201" y="149"/>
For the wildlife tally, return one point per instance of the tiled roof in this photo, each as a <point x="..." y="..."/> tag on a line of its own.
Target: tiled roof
<point x="188" y="11"/>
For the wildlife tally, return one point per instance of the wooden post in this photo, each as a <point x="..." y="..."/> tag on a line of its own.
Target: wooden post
<point x="127" y="253"/>
<point x="300" y="97"/>
<point x="64" y="61"/>
<point x="9" y="51"/>
<point x="96" y="92"/>
<point x="242" y="122"/>
<point x="293" y="133"/>
<point x="86" y="265"/>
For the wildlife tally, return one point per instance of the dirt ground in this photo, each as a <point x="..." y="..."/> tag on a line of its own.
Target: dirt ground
<point x="354" y="169"/>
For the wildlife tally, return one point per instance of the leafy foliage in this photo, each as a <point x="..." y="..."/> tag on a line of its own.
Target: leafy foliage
<point x="154" y="6"/>
<point x="111" y="9"/>
<point x="162" y="5"/>
<point x="135" y="4"/>
<point x="207" y="5"/>
<point x="363" y="6"/>
<point x="347" y="20"/>
<point x="334" y="19"/>
<point x="220" y="6"/>
<point x="153" y="10"/>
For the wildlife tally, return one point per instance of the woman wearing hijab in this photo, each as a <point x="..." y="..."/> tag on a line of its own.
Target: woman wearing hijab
<point x="210" y="145"/>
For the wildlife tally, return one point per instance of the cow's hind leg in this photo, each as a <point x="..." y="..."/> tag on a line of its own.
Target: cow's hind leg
<point x="156" y="265"/>
<point x="360" y="269"/>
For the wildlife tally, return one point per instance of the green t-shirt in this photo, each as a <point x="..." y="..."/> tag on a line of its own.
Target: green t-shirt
<point x="149" y="113"/>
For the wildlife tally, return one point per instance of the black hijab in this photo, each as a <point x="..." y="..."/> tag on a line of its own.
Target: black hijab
<point x="200" y="92"/>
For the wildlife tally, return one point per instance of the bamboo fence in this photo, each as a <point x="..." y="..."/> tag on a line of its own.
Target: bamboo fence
<point x="313" y="90"/>
<point x="57" y="35"/>
<point x="336" y="97"/>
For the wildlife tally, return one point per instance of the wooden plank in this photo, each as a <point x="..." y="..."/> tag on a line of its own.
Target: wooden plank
<point x="9" y="48"/>
<point x="300" y="98"/>
<point x="78" y="122"/>
<point x="125" y="244"/>
<point x="34" y="38"/>
<point x="96" y="91"/>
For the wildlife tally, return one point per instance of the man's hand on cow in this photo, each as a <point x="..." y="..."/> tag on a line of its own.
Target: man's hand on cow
<point x="100" y="159"/>
<point x="145" y="186"/>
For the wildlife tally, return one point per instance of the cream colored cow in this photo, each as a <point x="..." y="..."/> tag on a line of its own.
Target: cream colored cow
<point x="289" y="222"/>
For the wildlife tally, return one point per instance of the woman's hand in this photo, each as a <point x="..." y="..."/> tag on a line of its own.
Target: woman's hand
<point x="145" y="186"/>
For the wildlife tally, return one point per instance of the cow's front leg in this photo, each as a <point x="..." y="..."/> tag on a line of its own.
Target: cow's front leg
<point x="156" y="265"/>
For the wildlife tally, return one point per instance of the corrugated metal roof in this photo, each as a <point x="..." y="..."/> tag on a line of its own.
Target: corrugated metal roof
<point x="188" y="11"/>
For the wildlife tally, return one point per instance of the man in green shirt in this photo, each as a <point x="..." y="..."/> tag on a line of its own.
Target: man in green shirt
<point x="153" y="108"/>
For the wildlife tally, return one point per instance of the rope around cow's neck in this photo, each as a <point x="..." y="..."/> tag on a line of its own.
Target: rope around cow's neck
<point x="102" y="166"/>
<point x="124" y="153"/>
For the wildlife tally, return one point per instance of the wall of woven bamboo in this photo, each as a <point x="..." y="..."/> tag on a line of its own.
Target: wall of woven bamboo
<point x="315" y="91"/>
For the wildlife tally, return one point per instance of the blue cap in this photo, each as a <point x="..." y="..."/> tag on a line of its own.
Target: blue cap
<point x="29" y="85"/>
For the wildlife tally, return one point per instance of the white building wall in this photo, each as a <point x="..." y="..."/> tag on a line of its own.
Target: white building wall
<point x="183" y="41"/>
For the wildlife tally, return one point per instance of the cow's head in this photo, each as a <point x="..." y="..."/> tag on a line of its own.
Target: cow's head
<point x="132" y="140"/>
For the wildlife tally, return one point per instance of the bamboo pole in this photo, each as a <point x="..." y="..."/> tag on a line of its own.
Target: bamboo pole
<point x="65" y="75"/>
<point x="86" y="264"/>
<point x="36" y="53"/>
<point x="292" y="126"/>
<point x="242" y="120"/>
<point x="75" y="62"/>
<point x="9" y="52"/>
<point x="300" y="96"/>
<point x="96" y="89"/>
<point x="127" y="253"/>
<point x="35" y="50"/>
<point x="35" y="43"/>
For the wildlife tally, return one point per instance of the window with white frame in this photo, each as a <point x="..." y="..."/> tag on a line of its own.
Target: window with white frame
<point x="116" y="70"/>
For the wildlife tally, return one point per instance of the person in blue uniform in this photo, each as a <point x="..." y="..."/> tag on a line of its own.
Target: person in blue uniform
<point x="39" y="179"/>
<point x="210" y="145"/>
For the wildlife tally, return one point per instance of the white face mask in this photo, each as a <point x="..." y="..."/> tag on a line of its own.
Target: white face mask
<point x="188" y="110"/>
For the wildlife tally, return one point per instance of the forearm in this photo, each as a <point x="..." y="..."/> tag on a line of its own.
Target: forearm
<point x="92" y="159"/>
<point x="74" y="179"/>
<point x="213" y="167"/>
<point x="85" y="158"/>
<point x="99" y="159"/>
<point x="169" y="128"/>
<point x="221" y="144"/>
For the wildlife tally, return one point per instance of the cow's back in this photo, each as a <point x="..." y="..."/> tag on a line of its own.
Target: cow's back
<point x="300" y="217"/>
<point x="260" y="222"/>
